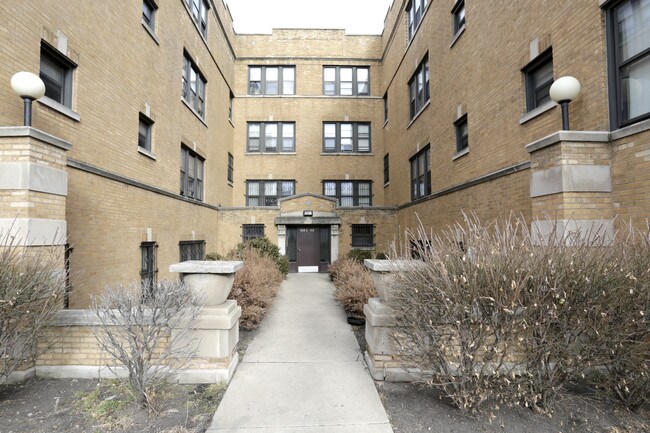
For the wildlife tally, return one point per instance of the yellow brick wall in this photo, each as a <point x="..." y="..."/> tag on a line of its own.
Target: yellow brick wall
<point x="631" y="178"/>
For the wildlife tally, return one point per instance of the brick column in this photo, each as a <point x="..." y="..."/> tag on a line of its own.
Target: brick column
<point x="33" y="186"/>
<point x="571" y="183"/>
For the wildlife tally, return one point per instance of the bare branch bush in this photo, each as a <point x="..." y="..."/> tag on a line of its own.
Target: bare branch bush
<point x="353" y="283"/>
<point x="32" y="286"/>
<point x="255" y="286"/>
<point x="150" y="337"/>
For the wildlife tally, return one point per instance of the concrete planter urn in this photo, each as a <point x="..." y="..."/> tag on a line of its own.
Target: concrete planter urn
<point x="211" y="279"/>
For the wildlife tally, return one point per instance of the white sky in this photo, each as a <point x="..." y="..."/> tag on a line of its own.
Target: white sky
<point x="364" y="17"/>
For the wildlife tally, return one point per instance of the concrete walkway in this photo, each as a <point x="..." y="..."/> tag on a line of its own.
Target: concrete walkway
<point x="303" y="372"/>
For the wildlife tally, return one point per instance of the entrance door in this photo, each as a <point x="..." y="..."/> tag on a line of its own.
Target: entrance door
<point x="308" y="249"/>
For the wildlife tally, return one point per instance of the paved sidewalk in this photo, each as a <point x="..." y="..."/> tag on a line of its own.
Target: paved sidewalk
<point x="303" y="372"/>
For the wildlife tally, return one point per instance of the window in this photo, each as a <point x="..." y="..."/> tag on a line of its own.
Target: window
<point x="458" y="13"/>
<point x="346" y="137"/>
<point x="415" y="11"/>
<point x="349" y="192"/>
<point x="149" y="14"/>
<point x="148" y="268"/>
<point x="271" y="137"/>
<point x="193" y="86"/>
<point x="538" y="75"/>
<point x="419" y="88"/>
<point x="191" y="174"/>
<point x="231" y="165"/>
<point x="363" y="235"/>
<point x="271" y="80"/>
<point x="268" y="192"/>
<point x="346" y="81"/>
<point x="420" y="174"/>
<point x="462" y="137"/>
<point x="191" y="250"/>
<point x="144" y="132"/>
<point x="628" y="26"/>
<point x="386" y="107"/>
<point x="230" y="100"/>
<point x="199" y="12"/>
<point x="56" y="73"/>
<point x="252" y="231"/>
<point x="386" y="169"/>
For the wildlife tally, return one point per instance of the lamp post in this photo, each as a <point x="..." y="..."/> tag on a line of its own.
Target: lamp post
<point x="563" y="91"/>
<point x="29" y="87"/>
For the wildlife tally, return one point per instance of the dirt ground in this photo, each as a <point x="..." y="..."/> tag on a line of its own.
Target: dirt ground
<point x="76" y="405"/>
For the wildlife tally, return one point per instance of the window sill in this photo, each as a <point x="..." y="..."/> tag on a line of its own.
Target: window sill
<point x="418" y="113"/>
<point x="66" y="111"/>
<point x="460" y="154"/>
<point x="147" y="153"/>
<point x="347" y="154"/>
<point x="387" y="184"/>
<point x="230" y="184"/>
<point x="626" y="131"/>
<point x="537" y="111"/>
<point x="198" y="116"/>
<point x="385" y="123"/>
<point x="150" y="31"/>
<point x="457" y="35"/>
<point x="261" y="95"/>
<point x="269" y="153"/>
<point x="231" y="124"/>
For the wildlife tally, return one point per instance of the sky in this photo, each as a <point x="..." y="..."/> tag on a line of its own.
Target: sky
<point x="365" y="17"/>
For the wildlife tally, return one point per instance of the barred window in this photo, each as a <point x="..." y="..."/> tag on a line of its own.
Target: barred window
<point x="252" y="231"/>
<point x="363" y="235"/>
<point x="191" y="250"/>
<point x="349" y="193"/>
<point x="148" y="268"/>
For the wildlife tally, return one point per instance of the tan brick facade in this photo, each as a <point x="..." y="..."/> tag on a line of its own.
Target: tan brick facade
<point x="119" y="196"/>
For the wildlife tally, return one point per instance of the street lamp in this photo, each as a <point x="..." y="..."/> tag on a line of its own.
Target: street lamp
<point x="29" y="87"/>
<point x="563" y="91"/>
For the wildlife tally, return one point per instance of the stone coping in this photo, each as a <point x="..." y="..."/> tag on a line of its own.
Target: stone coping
<point x="28" y="131"/>
<point x="390" y="265"/>
<point x="207" y="267"/>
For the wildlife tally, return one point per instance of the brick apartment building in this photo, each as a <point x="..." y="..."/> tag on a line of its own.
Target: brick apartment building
<point x="164" y="135"/>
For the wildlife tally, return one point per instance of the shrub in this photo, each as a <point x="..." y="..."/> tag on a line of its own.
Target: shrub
<point x="213" y="256"/>
<point x="255" y="286"/>
<point x="265" y="248"/>
<point x="354" y="285"/>
<point x="360" y="255"/>
<point x="149" y="337"/>
<point x="32" y="287"/>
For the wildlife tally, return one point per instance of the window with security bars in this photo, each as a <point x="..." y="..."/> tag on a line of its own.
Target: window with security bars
<point x="349" y="193"/>
<point x="538" y="76"/>
<point x="268" y="192"/>
<point x="199" y="12"/>
<point x="363" y="235"/>
<point x="271" y="80"/>
<point x="271" y="137"/>
<point x="420" y="174"/>
<point x="191" y="250"/>
<point x="191" y="174"/>
<point x="252" y="231"/>
<point x="419" y="88"/>
<point x="346" y="81"/>
<point x="346" y="137"/>
<point x="193" y="86"/>
<point x="148" y="269"/>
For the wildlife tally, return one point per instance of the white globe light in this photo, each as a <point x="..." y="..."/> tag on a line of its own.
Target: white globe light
<point x="565" y="89"/>
<point x="26" y="84"/>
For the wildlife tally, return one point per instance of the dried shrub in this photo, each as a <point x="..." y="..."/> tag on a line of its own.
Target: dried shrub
<point x="360" y="255"/>
<point x="255" y="286"/>
<point x="265" y="248"/>
<point x="32" y="287"/>
<point x="149" y="336"/>
<point x="354" y="285"/>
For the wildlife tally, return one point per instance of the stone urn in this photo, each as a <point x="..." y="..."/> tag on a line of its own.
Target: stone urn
<point x="211" y="279"/>
<point x="381" y="272"/>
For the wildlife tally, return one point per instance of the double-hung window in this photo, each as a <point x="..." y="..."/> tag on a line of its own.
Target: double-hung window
<point x="231" y="166"/>
<point x="538" y="75"/>
<point x="349" y="192"/>
<point x="56" y="73"/>
<point x="271" y="80"/>
<point x="199" y="12"/>
<point x="421" y="174"/>
<point x="419" y="88"/>
<point x="252" y="231"/>
<point x="462" y="134"/>
<point x="386" y="169"/>
<point x="346" y="137"/>
<point x="148" y="269"/>
<point x="191" y="174"/>
<point x="268" y="192"/>
<point x="271" y="137"/>
<point x="415" y="11"/>
<point x="363" y="236"/>
<point x="458" y="13"/>
<point x="149" y="14"/>
<point x="191" y="250"/>
<point x="628" y="27"/>
<point x="145" y="129"/>
<point x="346" y="81"/>
<point x="193" y="86"/>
